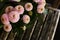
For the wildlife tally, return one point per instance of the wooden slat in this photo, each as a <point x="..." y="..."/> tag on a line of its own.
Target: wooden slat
<point x="38" y="28"/>
<point x="45" y="27"/>
<point x="20" y="36"/>
<point x="4" y="35"/>
<point x="41" y="28"/>
<point x="33" y="28"/>
<point x="29" y="32"/>
<point x="49" y="26"/>
<point x="12" y="35"/>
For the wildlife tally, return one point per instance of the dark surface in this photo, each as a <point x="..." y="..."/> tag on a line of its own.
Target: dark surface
<point x="50" y="1"/>
<point x="57" y="35"/>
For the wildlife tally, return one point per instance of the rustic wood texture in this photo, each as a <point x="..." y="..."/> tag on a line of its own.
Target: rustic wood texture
<point x="38" y="28"/>
<point x="56" y="3"/>
<point x="29" y="32"/>
<point x="11" y="35"/>
<point x="4" y="35"/>
<point x="49" y="26"/>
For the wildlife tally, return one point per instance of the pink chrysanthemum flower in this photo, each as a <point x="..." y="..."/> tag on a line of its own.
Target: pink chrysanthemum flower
<point x="8" y="9"/>
<point x="16" y="0"/>
<point x="5" y="19"/>
<point x="40" y="8"/>
<point x="26" y="19"/>
<point x="36" y="1"/>
<point x="42" y="2"/>
<point x="14" y="16"/>
<point x="7" y="28"/>
<point x="20" y="9"/>
<point x="28" y="6"/>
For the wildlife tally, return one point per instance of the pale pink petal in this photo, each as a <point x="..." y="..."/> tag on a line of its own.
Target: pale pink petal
<point x="14" y="16"/>
<point x="28" y="6"/>
<point x="8" y="9"/>
<point x="7" y="28"/>
<point x="42" y="3"/>
<point x="20" y="9"/>
<point x="36" y="1"/>
<point x="40" y="8"/>
<point x="26" y="19"/>
<point x="5" y="19"/>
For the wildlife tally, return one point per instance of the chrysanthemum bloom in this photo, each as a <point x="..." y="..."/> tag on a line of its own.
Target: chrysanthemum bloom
<point x="42" y="2"/>
<point x="16" y="0"/>
<point x="5" y="19"/>
<point x="20" y="9"/>
<point x="26" y="19"/>
<point x="8" y="9"/>
<point x="14" y="16"/>
<point x="40" y="8"/>
<point x="7" y="28"/>
<point x="36" y="1"/>
<point x="28" y="6"/>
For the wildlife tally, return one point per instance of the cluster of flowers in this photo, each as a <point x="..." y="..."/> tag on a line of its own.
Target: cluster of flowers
<point x="12" y="14"/>
<point x="41" y="5"/>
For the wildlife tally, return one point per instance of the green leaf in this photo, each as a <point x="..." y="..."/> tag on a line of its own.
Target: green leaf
<point x="1" y="26"/>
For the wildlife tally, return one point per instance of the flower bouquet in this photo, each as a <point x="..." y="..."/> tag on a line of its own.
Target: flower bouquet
<point x="20" y="15"/>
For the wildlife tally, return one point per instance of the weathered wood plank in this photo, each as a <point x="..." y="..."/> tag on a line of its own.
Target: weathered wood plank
<point x="41" y="27"/>
<point x="55" y="25"/>
<point x="20" y="35"/>
<point x="49" y="26"/>
<point x="29" y="32"/>
<point x="12" y="35"/>
<point x="38" y="28"/>
<point x="4" y="35"/>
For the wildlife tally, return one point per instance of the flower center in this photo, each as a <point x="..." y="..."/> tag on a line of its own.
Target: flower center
<point x="18" y="7"/>
<point x="13" y="16"/>
<point x="2" y="19"/>
<point x="28" y="6"/>
<point x="41" y="9"/>
<point x="6" y="27"/>
<point x="9" y="9"/>
<point x="27" y="19"/>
